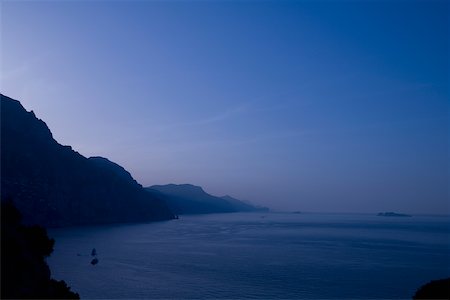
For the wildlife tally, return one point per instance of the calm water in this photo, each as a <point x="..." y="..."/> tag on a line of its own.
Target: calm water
<point x="256" y="255"/>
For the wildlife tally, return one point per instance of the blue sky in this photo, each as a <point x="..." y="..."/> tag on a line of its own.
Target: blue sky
<point x="298" y="105"/>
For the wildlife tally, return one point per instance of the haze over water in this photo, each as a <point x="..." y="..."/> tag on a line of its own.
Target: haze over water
<point x="256" y="255"/>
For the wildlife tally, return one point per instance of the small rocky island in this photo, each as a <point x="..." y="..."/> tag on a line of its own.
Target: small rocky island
<point x="392" y="214"/>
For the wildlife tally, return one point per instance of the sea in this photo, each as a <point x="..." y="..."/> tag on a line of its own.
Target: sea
<point x="255" y="256"/>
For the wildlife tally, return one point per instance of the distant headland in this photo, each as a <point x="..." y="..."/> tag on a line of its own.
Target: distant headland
<point x="185" y="199"/>
<point x="392" y="214"/>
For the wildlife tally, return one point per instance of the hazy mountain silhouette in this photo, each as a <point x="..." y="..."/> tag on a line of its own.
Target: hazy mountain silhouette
<point x="242" y="205"/>
<point x="191" y="199"/>
<point x="53" y="185"/>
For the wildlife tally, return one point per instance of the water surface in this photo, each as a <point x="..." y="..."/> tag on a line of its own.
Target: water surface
<point x="256" y="255"/>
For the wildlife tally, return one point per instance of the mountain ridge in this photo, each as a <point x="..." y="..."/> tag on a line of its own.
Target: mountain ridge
<point x="53" y="185"/>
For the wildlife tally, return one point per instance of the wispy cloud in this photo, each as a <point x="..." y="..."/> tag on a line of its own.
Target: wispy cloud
<point x="16" y="73"/>
<point x="219" y="117"/>
<point x="182" y="146"/>
<point x="22" y="69"/>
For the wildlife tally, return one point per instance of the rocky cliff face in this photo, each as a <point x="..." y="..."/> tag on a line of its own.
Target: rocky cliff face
<point x="52" y="185"/>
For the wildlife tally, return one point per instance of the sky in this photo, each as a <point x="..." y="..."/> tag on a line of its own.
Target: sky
<point x="334" y="106"/>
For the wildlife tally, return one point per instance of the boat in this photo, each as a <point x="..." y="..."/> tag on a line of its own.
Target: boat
<point x="94" y="261"/>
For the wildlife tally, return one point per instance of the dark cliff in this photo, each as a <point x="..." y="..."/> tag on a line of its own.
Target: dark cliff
<point x="53" y="185"/>
<point x="24" y="272"/>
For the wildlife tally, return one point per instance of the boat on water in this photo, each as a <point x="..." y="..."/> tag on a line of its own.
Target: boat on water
<point x="94" y="261"/>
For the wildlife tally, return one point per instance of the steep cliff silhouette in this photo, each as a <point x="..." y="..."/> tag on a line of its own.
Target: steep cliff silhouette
<point x="53" y="185"/>
<point x="24" y="272"/>
<point x="191" y="199"/>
